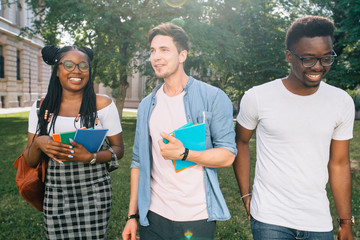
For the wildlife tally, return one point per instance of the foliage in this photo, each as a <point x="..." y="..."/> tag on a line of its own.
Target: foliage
<point x="345" y="71"/>
<point x="236" y="44"/>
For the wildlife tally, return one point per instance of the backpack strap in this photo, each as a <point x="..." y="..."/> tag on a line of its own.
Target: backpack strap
<point x="38" y="105"/>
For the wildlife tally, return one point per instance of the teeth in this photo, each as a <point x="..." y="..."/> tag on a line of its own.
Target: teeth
<point x="75" y="79"/>
<point x="314" y="76"/>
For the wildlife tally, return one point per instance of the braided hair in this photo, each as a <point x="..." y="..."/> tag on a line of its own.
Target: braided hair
<point x="51" y="104"/>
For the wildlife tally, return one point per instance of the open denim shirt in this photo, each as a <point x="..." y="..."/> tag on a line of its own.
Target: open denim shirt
<point x="201" y="101"/>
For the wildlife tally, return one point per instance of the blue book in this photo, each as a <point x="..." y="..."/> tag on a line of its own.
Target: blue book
<point x="193" y="137"/>
<point x="91" y="139"/>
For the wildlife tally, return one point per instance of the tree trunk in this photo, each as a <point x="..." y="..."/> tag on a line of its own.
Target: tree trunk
<point x="120" y="100"/>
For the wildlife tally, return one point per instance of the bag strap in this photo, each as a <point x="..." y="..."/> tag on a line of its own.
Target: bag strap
<point x="38" y="105"/>
<point x="43" y="162"/>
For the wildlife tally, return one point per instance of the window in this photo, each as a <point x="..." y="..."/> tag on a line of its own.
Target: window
<point x="1" y="9"/>
<point x="2" y="63"/>
<point x="17" y="13"/>
<point x="19" y="101"/>
<point x="18" y="77"/>
<point x="2" y="101"/>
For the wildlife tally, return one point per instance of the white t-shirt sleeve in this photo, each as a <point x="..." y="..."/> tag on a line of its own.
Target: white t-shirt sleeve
<point x="33" y="119"/>
<point x="109" y="118"/>
<point x="248" y="116"/>
<point x="344" y="127"/>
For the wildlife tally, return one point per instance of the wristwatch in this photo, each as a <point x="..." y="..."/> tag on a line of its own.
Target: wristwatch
<point x="136" y="216"/>
<point x="93" y="161"/>
<point x="350" y="221"/>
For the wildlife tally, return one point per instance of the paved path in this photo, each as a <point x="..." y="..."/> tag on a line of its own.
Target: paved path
<point x="26" y="109"/>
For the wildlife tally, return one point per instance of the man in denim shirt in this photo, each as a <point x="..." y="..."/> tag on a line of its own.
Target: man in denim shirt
<point x="173" y="204"/>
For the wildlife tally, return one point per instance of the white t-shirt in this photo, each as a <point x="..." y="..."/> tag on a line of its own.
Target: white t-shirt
<point x="175" y="196"/>
<point x="293" y="139"/>
<point x="108" y="118"/>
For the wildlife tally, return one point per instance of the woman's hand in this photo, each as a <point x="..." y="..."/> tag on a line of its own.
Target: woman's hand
<point x="79" y="153"/>
<point x="60" y="152"/>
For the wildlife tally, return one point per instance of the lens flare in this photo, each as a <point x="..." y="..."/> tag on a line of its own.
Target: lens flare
<point x="175" y="3"/>
<point x="188" y="234"/>
<point x="178" y="21"/>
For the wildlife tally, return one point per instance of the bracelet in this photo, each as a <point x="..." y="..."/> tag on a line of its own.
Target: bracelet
<point x="350" y="221"/>
<point x="132" y="216"/>
<point x="185" y="154"/>
<point x="246" y="195"/>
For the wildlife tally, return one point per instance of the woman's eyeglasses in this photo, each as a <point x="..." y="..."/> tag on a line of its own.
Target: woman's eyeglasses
<point x="70" y="66"/>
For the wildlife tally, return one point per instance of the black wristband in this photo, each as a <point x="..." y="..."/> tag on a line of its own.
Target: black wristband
<point x="185" y="154"/>
<point x="132" y="216"/>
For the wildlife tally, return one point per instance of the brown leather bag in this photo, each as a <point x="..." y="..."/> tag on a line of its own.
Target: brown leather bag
<point x="31" y="181"/>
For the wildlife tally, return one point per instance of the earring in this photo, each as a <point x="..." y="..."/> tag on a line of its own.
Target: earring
<point x="77" y="118"/>
<point x="46" y="114"/>
<point x="96" y="121"/>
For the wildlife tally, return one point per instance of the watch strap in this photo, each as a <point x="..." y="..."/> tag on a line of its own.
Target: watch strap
<point x="348" y="221"/>
<point x="132" y="216"/>
<point x="185" y="154"/>
<point x="93" y="161"/>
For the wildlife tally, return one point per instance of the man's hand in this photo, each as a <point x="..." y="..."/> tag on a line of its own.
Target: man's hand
<point x="130" y="229"/>
<point x="246" y="201"/>
<point x="345" y="232"/>
<point x="173" y="150"/>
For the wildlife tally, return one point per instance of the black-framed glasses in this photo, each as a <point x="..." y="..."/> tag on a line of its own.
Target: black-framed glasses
<point x="70" y="66"/>
<point x="325" y="61"/>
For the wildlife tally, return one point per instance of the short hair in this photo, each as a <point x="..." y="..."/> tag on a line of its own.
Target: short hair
<point x="181" y="39"/>
<point x="311" y="26"/>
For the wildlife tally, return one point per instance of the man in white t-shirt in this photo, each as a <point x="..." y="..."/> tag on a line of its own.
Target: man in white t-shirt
<point x="303" y="128"/>
<point x="185" y="204"/>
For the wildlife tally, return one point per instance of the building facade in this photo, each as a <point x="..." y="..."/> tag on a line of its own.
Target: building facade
<point x="24" y="77"/>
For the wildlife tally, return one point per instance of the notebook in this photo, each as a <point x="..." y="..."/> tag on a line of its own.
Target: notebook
<point x="91" y="139"/>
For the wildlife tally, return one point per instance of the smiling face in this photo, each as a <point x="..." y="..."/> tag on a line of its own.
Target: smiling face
<point x="165" y="58"/>
<point x="308" y="78"/>
<point x="74" y="80"/>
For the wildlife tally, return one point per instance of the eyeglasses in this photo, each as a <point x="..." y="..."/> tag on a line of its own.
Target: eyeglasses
<point x="309" y="62"/>
<point x="70" y="66"/>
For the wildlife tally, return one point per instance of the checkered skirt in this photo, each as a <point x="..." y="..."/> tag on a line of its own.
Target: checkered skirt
<point x="77" y="202"/>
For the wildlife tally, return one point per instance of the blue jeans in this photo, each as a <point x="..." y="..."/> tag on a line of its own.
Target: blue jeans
<point x="264" y="231"/>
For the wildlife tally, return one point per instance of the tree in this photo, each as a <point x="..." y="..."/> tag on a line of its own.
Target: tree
<point x="249" y="47"/>
<point x="115" y="29"/>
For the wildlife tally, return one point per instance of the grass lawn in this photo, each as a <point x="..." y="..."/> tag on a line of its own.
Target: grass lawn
<point x="19" y="220"/>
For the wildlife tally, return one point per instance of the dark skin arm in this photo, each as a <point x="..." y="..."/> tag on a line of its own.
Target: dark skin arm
<point x="241" y="164"/>
<point x="340" y="183"/>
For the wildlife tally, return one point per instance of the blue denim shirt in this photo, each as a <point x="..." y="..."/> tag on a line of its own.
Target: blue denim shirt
<point x="200" y="100"/>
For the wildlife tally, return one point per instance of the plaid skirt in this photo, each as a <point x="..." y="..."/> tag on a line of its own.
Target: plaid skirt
<point x="77" y="203"/>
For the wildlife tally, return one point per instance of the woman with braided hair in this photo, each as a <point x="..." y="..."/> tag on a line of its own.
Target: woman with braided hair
<point x="77" y="202"/>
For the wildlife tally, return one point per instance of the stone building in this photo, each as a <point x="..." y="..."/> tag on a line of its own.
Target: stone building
<point x="24" y="76"/>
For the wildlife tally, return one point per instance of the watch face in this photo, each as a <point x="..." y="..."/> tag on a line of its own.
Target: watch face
<point x="93" y="160"/>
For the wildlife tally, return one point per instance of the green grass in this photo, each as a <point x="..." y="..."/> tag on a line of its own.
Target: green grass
<point x="19" y="220"/>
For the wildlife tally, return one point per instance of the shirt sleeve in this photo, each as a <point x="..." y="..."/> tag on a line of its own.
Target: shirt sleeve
<point x="345" y="125"/>
<point x="248" y="116"/>
<point x="221" y="123"/>
<point x="33" y="119"/>
<point x="109" y="117"/>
